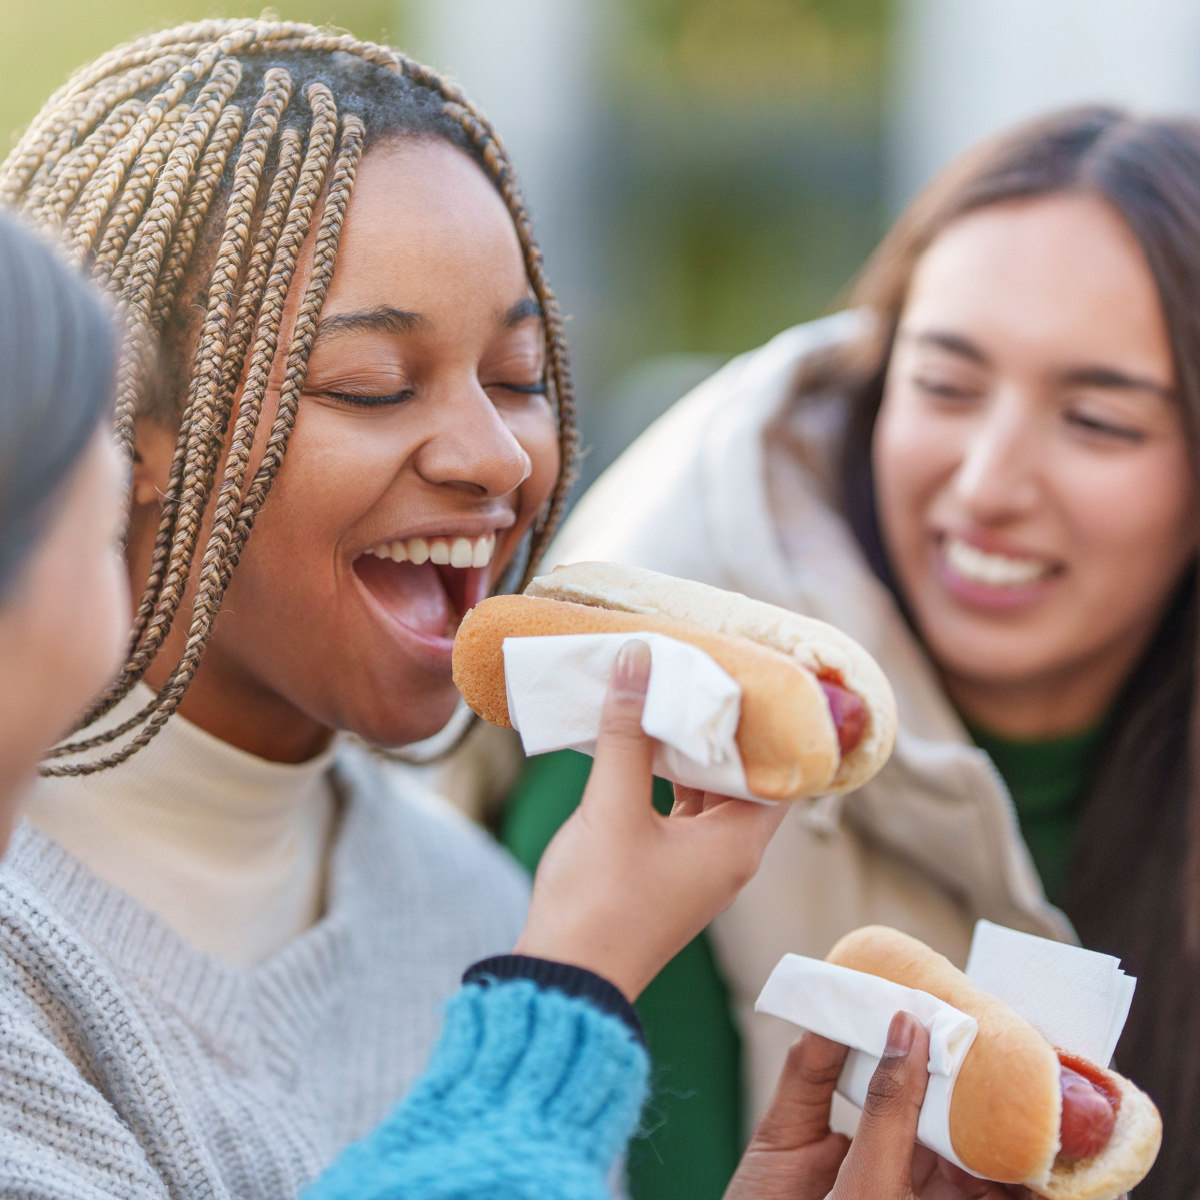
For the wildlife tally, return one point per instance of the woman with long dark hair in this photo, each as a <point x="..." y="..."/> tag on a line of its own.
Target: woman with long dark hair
<point x="988" y="475"/>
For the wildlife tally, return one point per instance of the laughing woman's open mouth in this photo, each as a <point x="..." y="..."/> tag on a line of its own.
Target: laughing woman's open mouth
<point x="427" y="584"/>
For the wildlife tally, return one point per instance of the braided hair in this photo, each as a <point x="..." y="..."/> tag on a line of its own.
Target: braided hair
<point x="195" y="161"/>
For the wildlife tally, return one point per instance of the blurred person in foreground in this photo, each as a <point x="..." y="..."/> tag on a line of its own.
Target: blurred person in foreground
<point x="135" y="1063"/>
<point x="987" y="475"/>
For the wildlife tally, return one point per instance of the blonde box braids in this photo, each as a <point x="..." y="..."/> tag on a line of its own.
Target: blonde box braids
<point x="201" y="135"/>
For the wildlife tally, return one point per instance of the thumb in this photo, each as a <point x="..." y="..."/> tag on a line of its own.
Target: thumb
<point x="621" y="772"/>
<point x="879" y="1164"/>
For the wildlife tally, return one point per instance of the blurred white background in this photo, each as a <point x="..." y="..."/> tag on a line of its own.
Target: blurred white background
<point x="965" y="68"/>
<point x="704" y="173"/>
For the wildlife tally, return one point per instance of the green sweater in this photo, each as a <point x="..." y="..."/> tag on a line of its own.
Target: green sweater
<point x="1048" y="781"/>
<point x="691" y="1128"/>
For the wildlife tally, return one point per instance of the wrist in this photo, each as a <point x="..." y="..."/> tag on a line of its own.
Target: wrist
<point x="606" y="962"/>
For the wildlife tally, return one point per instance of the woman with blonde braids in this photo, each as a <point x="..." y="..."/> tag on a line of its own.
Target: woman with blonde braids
<point x="227" y="934"/>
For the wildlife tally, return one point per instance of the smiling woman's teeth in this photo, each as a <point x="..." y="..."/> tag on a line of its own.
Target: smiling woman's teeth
<point x="995" y="570"/>
<point x="443" y="552"/>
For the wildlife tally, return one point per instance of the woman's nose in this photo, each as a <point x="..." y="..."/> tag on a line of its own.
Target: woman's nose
<point x="472" y="448"/>
<point x="997" y="477"/>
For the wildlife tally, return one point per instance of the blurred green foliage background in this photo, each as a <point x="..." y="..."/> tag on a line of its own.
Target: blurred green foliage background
<point x="737" y="175"/>
<point x="43" y="41"/>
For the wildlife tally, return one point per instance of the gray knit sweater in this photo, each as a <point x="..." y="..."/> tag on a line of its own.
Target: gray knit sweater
<point x="132" y="1065"/>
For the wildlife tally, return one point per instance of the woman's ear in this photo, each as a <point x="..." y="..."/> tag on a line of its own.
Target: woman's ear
<point x="153" y="449"/>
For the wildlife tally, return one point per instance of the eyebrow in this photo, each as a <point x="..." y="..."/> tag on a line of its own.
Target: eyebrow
<point x="1113" y="380"/>
<point x="522" y="311"/>
<point x="384" y="319"/>
<point x="1092" y="375"/>
<point x="953" y="343"/>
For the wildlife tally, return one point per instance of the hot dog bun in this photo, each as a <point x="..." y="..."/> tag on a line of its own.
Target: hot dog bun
<point x="786" y="736"/>
<point x="1006" y="1107"/>
<point x="811" y="644"/>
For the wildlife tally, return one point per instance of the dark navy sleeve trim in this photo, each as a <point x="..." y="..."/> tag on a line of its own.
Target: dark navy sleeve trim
<point x="562" y="977"/>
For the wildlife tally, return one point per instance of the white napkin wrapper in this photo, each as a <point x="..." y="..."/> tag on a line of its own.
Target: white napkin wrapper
<point x="556" y="689"/>
<point x="856" y="1010"/>
<point x="1076" y="999"/>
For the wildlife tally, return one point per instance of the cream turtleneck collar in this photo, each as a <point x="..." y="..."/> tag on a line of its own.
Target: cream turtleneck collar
<point x="227" y="848"/>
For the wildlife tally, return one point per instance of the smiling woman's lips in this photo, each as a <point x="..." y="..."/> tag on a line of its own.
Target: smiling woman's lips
<point x="991" y="580"/>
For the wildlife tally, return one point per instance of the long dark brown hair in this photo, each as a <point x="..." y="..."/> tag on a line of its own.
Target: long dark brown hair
<point x="1134" y="883"/>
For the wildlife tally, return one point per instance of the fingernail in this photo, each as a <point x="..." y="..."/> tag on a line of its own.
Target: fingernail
<point x="631" y="672"/>
<point x="900" y="1036"/>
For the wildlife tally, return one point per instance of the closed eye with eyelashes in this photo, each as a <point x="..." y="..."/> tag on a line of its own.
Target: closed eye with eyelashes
<point x="522" y="389"/>
<point x="369" y="401"/>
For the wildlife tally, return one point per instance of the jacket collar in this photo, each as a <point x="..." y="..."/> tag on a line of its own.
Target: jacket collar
<point x="939" y="802"/>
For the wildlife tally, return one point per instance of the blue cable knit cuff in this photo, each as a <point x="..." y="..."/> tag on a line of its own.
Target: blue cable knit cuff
<point x="572" y="981"/>
<point x="530" y="1093"/>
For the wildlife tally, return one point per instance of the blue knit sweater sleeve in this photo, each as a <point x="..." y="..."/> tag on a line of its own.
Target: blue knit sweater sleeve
<point x="531" y="1093"/>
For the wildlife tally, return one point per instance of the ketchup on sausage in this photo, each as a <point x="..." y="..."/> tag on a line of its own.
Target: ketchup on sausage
<point x="849" y="712"/>
<point x="1089" y="1110"/>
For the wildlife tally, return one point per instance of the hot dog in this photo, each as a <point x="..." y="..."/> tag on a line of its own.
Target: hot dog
<point x="848" y="711"/>
<point x="1089" y="1109"/>
<point x="817" y="713"/>
<point x="1022" y="1111"/>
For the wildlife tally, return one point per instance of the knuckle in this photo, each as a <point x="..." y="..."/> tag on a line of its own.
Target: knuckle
<point x="815" y="1063"/>
<point x="886" y="1093"/>
<point x="740" y="876"/>
<point x="743" y="866"/>
<point x="798" y="1056"/>
<point x="622" y="724"/>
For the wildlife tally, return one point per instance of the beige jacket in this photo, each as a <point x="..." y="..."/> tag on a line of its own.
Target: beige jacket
<point x="728" y="488"/>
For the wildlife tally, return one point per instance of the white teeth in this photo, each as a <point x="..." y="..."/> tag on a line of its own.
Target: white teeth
<point x="995" y="570"/>
<point x="457" y="552"/>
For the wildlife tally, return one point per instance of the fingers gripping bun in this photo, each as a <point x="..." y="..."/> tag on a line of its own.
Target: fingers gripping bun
<point x="785" y="736"/>
<point x="1006" y="1109"/>
<point x="812" y="644"/>
<point x="1006" y="1133"/>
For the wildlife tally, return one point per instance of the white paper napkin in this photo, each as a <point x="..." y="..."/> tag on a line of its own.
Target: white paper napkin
<point x="856" y="1010"/>
<point x="556" y="689"/>
<point x="1077" y="999"/>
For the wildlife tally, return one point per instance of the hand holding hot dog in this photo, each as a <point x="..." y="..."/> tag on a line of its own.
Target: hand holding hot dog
<point x="1022" y="1109"/>
<point x="793" y="1155"/>
<point x="817" y="715"/>
<point x="621" y="889"/>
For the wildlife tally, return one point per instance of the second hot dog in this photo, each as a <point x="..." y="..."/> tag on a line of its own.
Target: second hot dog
<point x="1022" y="1111"/>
